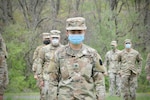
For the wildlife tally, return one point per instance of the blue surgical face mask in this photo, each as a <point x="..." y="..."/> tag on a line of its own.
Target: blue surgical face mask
<point x="128" y="46"/>
<point x="76" y="38"/>
<point x="55" y="42"/>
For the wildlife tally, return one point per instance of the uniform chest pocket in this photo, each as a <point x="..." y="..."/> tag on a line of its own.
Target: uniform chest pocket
<point x="87" y="71"/>
<point x="70" y="66"/>
<point x="47" y="56"/>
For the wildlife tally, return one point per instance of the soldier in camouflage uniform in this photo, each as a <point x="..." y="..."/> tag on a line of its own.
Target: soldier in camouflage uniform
<point x="45" y="57"/>
<point x="131" y="66"/>
<point x="3" y="67"/>
<point x="46" y="41"/>
<point x="147" y="67"/>
<point x="112" y="65"/>
<point x="78" y="68"/>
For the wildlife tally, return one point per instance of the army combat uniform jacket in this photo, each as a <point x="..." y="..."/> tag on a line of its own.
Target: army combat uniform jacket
<point x="78" y="73"/>
<point x="130" y="62"/>
<point x="111" y="61"/>
<point x="35" y="55"/>
<point x="45" y="57"/>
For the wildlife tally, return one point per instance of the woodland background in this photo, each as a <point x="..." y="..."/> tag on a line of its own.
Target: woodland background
<point x="23" y="21"/>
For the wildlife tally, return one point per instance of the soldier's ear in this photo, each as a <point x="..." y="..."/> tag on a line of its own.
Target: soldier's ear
<point x="67" y="33"/>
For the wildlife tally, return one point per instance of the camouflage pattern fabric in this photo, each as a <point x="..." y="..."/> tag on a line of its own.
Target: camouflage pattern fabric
<point x="113" y="67"/>
<point x="131" y="66"/>
<point x="35" y="64"/>
<point x="78" y="74"/>
<point x="3" y="46"/>
<point x="35" y="55"/>
<point x="129" y="86"/>
<point x="147" y="67"/>
<point x="3" y="66"/>
<point x="2" y="74"/>
<point x="45" y="58"/>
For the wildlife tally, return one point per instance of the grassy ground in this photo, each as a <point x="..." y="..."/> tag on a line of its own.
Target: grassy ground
<point x="140" y="96"/>
<point x="21" y="96"/>
<point x="35" y="96"/>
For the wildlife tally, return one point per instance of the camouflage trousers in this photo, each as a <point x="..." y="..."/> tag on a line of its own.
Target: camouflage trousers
<point x="48" y="92"/>
<point x="1" y="90"/>
<point x="101" y="88"/>
<point x="114" y="84"/>
<point x="1" y="80"/>
<point x="44" y="91"/>
<point x="66" y="93"/>
<point x="128" y="86"/>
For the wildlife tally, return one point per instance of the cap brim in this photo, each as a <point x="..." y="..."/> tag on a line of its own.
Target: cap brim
<point x="76" y="28"/>
<point x="46" y="36"/>
<point x="113" y="44"/>
<point x="55" y="35"/>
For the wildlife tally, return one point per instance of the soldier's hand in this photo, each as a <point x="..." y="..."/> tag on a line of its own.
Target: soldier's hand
<point x="148" y="77"/>
<point x="105" y="74"/>
<point x="41" y="83"/>
<point x="35" y="77"/>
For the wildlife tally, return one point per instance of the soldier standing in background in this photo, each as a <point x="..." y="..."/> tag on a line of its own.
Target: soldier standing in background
<point x="3" y="68"/>
<point x="147" y="67"/>
<point x="45" y="57"/>
<point x="131" y="66"/>
<point x="112" y="65"/>
<point x="46" y="41"/>
<point x="78" y="68"/>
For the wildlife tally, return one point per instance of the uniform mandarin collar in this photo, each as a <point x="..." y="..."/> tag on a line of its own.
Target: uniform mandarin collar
<point x="53" y="47"/>
<point x="80" y="53"/>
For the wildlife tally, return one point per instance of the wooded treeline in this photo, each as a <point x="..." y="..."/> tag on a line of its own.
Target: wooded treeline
<point x="22" y="22"/>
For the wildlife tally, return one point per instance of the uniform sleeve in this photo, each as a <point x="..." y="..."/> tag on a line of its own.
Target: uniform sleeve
<point x="6" y="79"/>
<point x="119" y="61"/>
<point x="39" y="62"/>
<point x="57" y="66"/>
<point x="98" y="64"/>
<point x="3" y="46"/>
<point x="106" y="62"/>
<point x="98" y="76"/>
<point x="3" y="71"/>
<point x="139" y="61"/>
<point x="147" y="67"/>
<point x="35" y="55"/>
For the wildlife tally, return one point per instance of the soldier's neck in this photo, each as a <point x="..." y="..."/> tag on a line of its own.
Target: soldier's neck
<point x="114" y="50"/>
<point x="76" y="47"/>
<point x="128" y="49"/>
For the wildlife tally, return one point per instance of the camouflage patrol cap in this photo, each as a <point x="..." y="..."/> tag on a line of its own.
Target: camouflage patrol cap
<point x="76" y="23"/>
<point x="127" y="41"/>
<point x="113" y="43"/>
<point x="46" y="35"/>
<point x="55" y="33"/>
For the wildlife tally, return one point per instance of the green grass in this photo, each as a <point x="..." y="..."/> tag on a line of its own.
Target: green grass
<point x="35" y="96"/>
<point x="140" y="96"/>
<point x="21" y="96"/>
